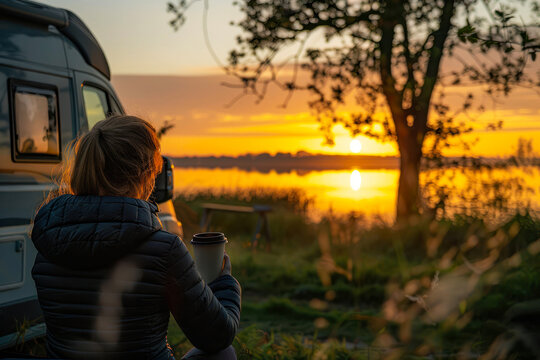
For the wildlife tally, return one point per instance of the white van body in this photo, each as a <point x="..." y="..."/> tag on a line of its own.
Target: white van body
<point x="54" y="85"/>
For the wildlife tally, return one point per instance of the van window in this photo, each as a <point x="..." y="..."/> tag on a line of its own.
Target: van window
<point x="36" y="123"/>
<point x="95" y="104"/>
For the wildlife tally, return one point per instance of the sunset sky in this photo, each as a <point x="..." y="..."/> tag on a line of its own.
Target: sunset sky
<point x="163" y="75"/>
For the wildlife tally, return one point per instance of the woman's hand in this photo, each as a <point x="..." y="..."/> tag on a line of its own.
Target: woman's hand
<point x="226" y="268"/>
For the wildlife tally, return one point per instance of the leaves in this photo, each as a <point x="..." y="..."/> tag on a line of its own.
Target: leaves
<point x="164" y="128"/>
<point x="345" y="72"/>
<point x="467" y="33"/>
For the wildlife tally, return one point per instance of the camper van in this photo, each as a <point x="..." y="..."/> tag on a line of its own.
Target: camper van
<point x="54" y="86"/>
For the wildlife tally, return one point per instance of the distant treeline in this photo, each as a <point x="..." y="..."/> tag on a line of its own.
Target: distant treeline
<point x="284" y="162"/>
<point x="303" y="161"/>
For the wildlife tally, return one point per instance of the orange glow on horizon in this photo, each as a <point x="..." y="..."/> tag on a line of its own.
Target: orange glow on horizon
<point x="240" y="145"/>
<point x="204" y="125"/>
<point x="491" y="144"/>
<point x="272" y="133"/>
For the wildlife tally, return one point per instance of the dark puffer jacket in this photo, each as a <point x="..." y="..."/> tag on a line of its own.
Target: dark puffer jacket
<point x="107" y="277"/>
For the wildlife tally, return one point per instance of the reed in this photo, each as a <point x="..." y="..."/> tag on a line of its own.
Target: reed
<point x="434" y="287"/>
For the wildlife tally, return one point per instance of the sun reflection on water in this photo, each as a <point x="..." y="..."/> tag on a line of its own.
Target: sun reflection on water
<point x="356" y="180"/>
<point x="373" y="192"/>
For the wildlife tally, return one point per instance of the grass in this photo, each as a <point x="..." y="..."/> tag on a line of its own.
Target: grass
<point x="339" y="288"/>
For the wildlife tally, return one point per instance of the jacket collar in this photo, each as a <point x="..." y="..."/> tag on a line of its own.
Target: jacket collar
<point x="92" y="231"/>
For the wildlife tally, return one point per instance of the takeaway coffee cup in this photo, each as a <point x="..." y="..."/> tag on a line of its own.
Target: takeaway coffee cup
<point x="209" y="248"/>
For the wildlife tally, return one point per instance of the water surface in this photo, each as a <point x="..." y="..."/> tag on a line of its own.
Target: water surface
<point x="373" y="192"/>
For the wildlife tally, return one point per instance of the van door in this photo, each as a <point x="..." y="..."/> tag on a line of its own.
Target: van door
<point x="96" y="99"/>
<point x="36" y="124"/>
<point x="99" y="100"/>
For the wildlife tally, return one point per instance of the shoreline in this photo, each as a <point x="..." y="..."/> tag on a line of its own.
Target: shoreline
<point x="283" y="163"/>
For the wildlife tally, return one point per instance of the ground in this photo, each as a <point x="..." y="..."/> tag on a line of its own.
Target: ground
<point x="339" y="288"/>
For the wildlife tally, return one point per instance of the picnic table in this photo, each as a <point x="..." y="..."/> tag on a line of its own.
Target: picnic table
<point x="261" y="228"/>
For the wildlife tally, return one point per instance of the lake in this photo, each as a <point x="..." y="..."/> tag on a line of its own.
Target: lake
<point x="372" y="192"/>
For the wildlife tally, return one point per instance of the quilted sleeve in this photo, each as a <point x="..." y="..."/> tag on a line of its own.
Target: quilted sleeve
<point x="208" y="315"/>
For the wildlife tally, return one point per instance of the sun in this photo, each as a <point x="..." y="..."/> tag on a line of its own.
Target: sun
<point x="355" y="146"/>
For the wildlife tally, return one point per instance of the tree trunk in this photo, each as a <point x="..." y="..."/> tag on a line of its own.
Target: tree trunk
<point x="408" y="190"/>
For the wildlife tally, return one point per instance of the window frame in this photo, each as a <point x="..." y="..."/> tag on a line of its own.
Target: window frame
<point x="36" y="88"/>
<point x="112" y="100"/>
<point x="107" y="97"/>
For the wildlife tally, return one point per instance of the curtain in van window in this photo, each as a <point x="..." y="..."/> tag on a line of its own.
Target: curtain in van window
<point x="35" y="116"/>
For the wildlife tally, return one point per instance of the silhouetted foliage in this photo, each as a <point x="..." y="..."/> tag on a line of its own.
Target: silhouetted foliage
<point x="385" y="56"/>
<point x="164" y="129"/>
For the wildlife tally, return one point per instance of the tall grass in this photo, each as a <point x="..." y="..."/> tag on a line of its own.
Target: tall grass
<point x="288" y="220"/>
<point x="434" y="287"/>
<point x="344" y="288"/>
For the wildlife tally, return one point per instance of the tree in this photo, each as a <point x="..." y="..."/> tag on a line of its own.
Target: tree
<point x="385" y="56"/>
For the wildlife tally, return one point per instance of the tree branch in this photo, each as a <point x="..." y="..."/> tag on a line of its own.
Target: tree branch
<point x="409" y="60"/>
<point x="385" y="69"/>
<point x="432" y="71"/>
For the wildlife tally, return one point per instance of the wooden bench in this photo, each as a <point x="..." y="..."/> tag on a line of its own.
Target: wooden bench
<point x="262" y="220"/>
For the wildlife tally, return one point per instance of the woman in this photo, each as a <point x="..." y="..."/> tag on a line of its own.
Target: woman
<point x="107" y="275"/>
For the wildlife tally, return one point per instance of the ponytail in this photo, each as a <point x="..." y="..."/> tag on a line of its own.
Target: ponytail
<point x="120" y="156"/>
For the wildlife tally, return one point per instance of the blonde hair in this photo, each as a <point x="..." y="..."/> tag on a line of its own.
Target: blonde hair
<point x="120" y="156"/>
